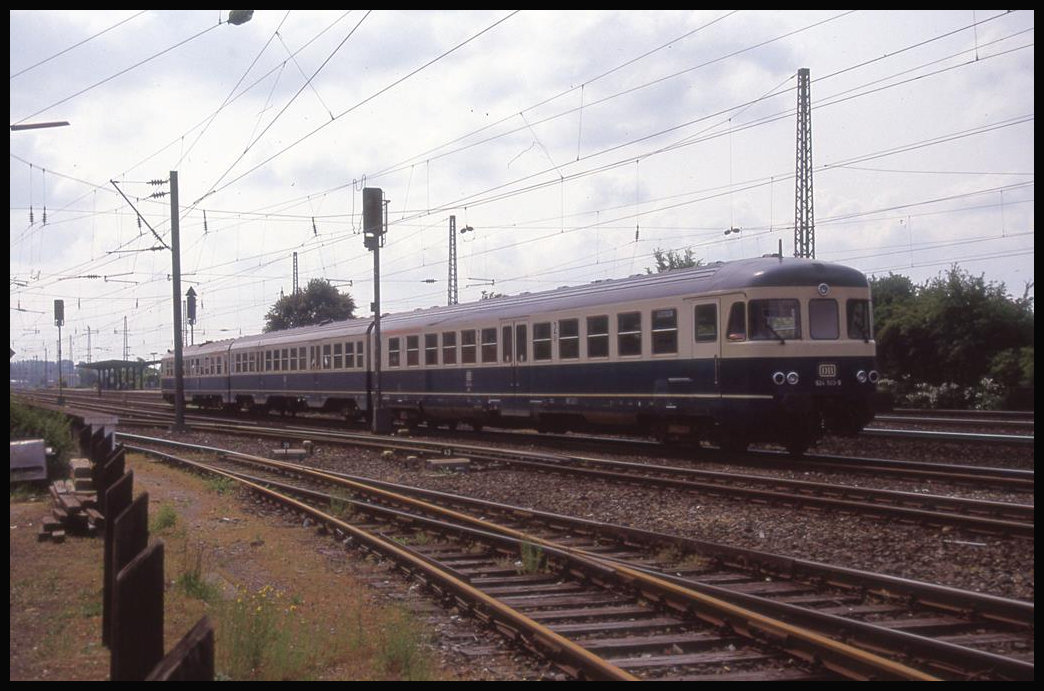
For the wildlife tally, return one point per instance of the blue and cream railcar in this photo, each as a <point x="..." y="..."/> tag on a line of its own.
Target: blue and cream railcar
<point x="770" y="349"/>
<point x="318" y="368"/>
<point x="204" y="376"/>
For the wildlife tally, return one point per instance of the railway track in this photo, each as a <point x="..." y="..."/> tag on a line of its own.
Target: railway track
<point x="987" y="517"/>
<point x="745" y="578"/>
<point x="982" y="427"/>
<point x="801" y="594"/>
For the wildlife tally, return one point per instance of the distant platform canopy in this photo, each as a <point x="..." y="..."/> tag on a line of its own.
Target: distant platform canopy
<point x="120" y="374"/>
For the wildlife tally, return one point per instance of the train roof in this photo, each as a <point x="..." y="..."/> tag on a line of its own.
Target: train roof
<point x="714" y="278"/>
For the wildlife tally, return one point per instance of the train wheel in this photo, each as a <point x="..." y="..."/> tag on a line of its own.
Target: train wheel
<point x="798" y="447"/>
<point x="734" y="444"/>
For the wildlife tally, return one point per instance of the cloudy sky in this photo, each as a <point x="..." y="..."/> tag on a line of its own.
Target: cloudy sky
<point x="574" y="144"/>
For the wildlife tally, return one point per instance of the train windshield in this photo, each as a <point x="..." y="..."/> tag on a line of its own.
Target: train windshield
<point x="823" y="322"/>
<point x="860" y="325"/>
<point x="778" y="319"/>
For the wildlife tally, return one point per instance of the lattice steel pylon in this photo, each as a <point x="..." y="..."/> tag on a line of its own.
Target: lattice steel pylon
<point x="451" y="291"/>
<point x="804" y="216"/>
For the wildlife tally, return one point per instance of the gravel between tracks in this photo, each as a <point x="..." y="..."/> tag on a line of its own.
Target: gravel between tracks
<point x="953" y="557"/>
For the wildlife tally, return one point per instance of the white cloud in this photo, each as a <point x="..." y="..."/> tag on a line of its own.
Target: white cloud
<point x="523" y="129"/>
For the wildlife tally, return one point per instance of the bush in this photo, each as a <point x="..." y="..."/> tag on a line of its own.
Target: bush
<point x="35" y="423"/>
<point x="987" y="395"/>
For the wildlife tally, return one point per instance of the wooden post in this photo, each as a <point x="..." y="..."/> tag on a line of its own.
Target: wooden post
<point x="117" y="498"/>
<point x="137" y="629"/>
<point x="192" y="659"/>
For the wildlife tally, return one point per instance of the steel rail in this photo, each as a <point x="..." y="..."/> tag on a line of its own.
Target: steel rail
<point x="546" y="642"/>
<point x="847" y="660"/>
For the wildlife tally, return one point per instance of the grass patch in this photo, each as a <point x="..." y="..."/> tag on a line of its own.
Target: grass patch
<point x="401" y="650"/>
<point x="221" y="485"/>
<point x="166" y="518"/>
<point x="27" y="491"/>
<point x="341" y="505"/>
<point x="263" y="637"/>
<point x="534" y="560"/>
<point x="192" y="580"/>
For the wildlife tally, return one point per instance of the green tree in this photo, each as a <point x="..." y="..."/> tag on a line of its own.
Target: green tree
<point x="953" y="329"/>
<point x="318" y="303"/>
<point x="668" y="260"/>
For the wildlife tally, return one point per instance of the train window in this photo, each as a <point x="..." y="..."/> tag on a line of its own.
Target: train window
<point x="360" y="362"/>
<point x="598" y="336"/>
<point x="775" y="320"/>
<point x="268" y="360"/>
<point x="822" y="319"/>
<point x="629" y="333"/>
<point x="542" y="341"/>
<point x="467" y="346"/>
<point x="286" y="362"/>
<point x="293" y="359"/>
<point x="489" y="345"/>
<point x="393" y="352"/>
<point x="569" y="339"/>
<point x="507" y="343"/>
<point x="737" y="327"/>
<point x="520" y="342"/>
<point x="431" y="349"/>
<point x="664" y="331"/>
<point x="705" y="323"/>
<point x="349" y="355"/>
<point x="327" y="361"/>
<point x="412" y="351"/>
<point x="449" y="347"/>
<point x="302" y="361"/>
<point x="338" y="356"/>
<point x="859" y="323"/>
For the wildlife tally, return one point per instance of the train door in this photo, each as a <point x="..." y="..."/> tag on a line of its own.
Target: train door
<point x="514" y="354"/>
<point x="706" y="347"/>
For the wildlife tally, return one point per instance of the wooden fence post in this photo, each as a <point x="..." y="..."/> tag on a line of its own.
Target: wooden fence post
<point x="137" y="619"/>
<point x="117" y="498"/>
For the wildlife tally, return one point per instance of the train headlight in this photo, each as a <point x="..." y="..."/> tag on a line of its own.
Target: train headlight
<point x="861" y="377"/>
<point x="792" y="378"/>
<point x="823" y="289"/>
<point x="873" y="376"/>
<point x="779" y="378"/>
